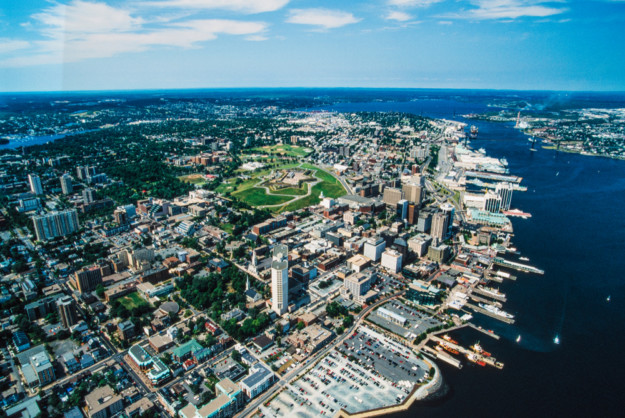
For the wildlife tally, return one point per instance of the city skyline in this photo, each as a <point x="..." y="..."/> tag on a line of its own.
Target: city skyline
<point x="171" y="44"/>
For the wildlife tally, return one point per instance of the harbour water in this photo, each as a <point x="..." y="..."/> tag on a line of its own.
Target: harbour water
<point x="576" y="236"/>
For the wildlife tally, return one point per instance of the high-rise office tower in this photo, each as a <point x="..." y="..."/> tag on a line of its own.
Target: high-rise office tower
<point x="392" y="195"/>
<point x="449" y="211"/>
<point x="56" y="224"/>
<point x="35" y="184"/>
<point x="413" y="192"/>
<point x="280" y="280"/>
<point x="66" y="184"/>
<point x="67" y="311"/>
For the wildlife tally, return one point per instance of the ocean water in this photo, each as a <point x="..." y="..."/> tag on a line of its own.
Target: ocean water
<point x="576" y="235"/>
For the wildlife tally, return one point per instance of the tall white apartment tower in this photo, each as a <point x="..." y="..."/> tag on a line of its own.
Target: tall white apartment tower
<point x="35" y="184"/>
<point x="280" y="280"/>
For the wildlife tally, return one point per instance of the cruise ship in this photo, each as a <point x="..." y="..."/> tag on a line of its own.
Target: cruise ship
<point x="492" y="291"/>
<point x="495" y="310"/>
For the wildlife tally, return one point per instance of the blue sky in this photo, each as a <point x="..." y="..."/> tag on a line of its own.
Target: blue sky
<point x="143" y="44"/>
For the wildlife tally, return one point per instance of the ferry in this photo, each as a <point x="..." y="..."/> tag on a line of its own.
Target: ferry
<point x="495" y="310"/>
<point x="492" y="291"/>
<point x="478" y="349"/>
<point x="448" y="338"/>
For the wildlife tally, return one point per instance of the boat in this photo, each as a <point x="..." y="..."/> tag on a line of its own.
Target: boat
<point x="491" y="291"/>
<point x="449" y="349"/>
<point x="475" y="359"/>
<point x="557" y="174"/>
<point x="496" y="311"/>
<point x="448" y="338"/>
<point x="608" y="298"/>
<point x="503" y="161"/>
<point x="473" y="132"/>
<point x="556" y="340"/>
<point x="524" y="259"/>
<point x="518" y="339"/>
<point x="478" y="349"/>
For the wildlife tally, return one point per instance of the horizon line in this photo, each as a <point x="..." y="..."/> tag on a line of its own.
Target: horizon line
<point x="172" y="89"/>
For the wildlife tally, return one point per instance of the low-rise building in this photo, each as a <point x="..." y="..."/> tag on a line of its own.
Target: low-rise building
<point x="259" y="379"/>
<point x="102" y="402"/>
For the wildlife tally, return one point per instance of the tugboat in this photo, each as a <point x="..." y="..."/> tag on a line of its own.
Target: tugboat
<point x="473" y="132"/>
<point x="448" y="338"/>
<point x="478" y="349"/>
<point x="449" y="349"/>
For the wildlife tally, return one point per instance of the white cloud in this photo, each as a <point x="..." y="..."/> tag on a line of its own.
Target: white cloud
<point x="84" y="30"/>
<point x="323" y="18"/>
<point x="412" y="3"/>
<point x="398" y="16"/>
<point x="507" y="9"/>
<point x="10" y="45"/>
<point x="244" y="6"/>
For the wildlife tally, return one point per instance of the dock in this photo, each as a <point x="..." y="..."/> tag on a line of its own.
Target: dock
<point x="487" y="313"/>
<point x="501" y="298"/>
<point x="477" y="298"/>
<point x="491" y="361"/>
<point x="483" y="331"/>
<point x="443" y="356"/>
<point x="517" y="266"/>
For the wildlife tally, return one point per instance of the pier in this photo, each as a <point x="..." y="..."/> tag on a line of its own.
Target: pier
<point x="491" y="361"/>
<point x="517" y="266"/>
<point x="477" y="298"/>
<point x="487" y="313"/>
<point x="441" y="355"/>
<point x="483" y="331"/>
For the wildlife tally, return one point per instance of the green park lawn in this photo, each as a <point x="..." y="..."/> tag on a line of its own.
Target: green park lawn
<point x="132" y="300"/>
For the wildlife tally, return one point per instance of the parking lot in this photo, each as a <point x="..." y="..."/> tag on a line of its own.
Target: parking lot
<point x="416" y="322"/>
<point x="354" y="379"/>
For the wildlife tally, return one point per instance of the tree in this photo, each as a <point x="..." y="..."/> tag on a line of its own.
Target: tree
<point x="236" y="356"/>
<point x="99" y="291"/>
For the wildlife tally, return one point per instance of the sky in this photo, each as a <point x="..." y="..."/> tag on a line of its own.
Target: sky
<point x="62" y="45"/>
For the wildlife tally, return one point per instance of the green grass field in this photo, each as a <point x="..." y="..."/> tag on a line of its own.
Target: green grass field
<point x="292" y="191"/>
<point x="329" y="185"/>
<point x="288" y="150"/>
<point x="132" y="300"/>
<point x="258" y="197"/>
<point x="193" y="179"/>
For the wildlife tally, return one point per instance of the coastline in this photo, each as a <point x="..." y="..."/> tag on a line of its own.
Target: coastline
<point x="434" y="388"/>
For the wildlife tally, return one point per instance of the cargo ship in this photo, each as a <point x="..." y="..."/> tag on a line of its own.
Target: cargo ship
<point x="496" y="311"/>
